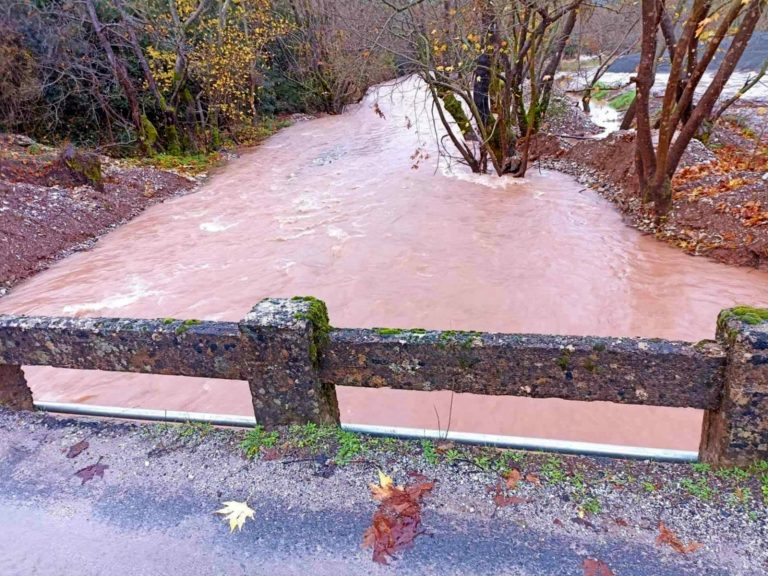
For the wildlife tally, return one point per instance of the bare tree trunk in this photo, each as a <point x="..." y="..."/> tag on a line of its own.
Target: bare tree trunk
<point x="118" y="68"/>
<point x="553" y="63"/>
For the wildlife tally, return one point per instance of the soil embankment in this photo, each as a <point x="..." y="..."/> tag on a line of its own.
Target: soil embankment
<point x="47" y="213"/>
<point x="720" y="193"/>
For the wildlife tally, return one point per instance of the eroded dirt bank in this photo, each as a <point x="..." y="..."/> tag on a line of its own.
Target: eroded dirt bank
<point x="46" y="213"/>
<point x="490" y="512"/>
<point x="720" y="194"/>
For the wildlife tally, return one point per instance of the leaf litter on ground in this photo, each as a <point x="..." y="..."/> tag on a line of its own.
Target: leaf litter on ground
<point x="397" y="521"/>
<point x="594" y="567"/>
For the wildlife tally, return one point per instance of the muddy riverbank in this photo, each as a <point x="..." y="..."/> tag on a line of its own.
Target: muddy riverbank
<point x="720" y="193"/>
<point x="45" y="214"/>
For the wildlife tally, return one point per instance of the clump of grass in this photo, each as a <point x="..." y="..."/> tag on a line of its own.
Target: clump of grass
<point x="452" y="455"/>
<point x="190" y="164"/>
<point x="699" y="488"/>
<point x="201" y="429"/>
<point x="310" y="435"/>
<point x="349" y="448"/>
<point x="256" y="439"/>
<point x="649" y="487"/>
<point x="592" y="506"/>
<point x="553" y="470"/>
<point x="483" y="462"/>
<point x="429" y="452"/>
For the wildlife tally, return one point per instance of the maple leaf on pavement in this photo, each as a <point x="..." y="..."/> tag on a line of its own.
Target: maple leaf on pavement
<point x="397" y="521"/>
<point x="237" y="513"/>
<point x="512" y="478"/>
<point x="90" y="472"/>
<point x="75" y="450"/>
<point x="596" y="568"/>
<point x="384" y="489"/>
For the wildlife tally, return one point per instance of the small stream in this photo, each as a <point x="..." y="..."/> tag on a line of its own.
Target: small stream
<point x="334" y="208"/>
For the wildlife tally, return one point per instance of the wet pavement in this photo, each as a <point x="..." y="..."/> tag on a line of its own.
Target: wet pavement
<point x="151" y="514"/>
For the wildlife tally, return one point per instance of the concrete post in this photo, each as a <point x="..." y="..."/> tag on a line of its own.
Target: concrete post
<point x="737" y="433"/>
<point x="14" y="392"/>
<point x="288" y="338"/>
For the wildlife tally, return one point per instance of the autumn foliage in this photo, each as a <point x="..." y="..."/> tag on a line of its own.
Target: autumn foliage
<point x="397" y="521"/>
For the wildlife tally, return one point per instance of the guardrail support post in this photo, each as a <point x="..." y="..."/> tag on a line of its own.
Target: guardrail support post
<point x="14" y="392"/>
<point x="288" y="339"/>
<point x="737" y="433"/>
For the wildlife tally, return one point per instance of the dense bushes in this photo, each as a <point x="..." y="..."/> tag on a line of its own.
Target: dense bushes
<point x="177" y="76"/>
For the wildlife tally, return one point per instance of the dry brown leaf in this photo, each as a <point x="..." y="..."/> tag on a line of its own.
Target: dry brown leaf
<point x="501" y="499"/>
<point x="596" y="568"/>
<point x="75" y="450"/>
<point x="397" y="521"/>
<point x="666" y="536"/>
<point x="512" y="478"/>
<point x="533" y="479"/>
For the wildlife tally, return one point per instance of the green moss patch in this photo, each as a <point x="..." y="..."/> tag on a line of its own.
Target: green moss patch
<point x="317" y="314"/>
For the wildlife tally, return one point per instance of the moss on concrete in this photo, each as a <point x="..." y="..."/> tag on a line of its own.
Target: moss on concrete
<point x="317" y="314"/>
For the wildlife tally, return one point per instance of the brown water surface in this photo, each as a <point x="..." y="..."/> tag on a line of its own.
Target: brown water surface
<point x="333" y="208"/>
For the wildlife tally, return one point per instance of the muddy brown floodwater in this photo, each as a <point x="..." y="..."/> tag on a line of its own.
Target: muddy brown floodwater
<point x="334" y="208"/>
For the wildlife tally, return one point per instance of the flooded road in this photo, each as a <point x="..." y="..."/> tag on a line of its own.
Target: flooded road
<point x="334" y="208"/>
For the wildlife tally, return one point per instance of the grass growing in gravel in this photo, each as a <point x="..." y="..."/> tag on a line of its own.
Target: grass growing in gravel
<point x="744" y="489"/>
<point x="350" y="447"/>
<point x="430" y="452"/>
<point x="256" y="439"/>
<point x="553" y="470"/>
<point x="200" y="429"/>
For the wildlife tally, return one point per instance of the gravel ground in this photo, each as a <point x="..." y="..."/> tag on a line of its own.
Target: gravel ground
<point x="45" y="214"/>
<point x="151" y="512"/>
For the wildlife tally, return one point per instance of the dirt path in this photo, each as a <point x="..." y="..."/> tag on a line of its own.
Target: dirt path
<point x="151" y="512"/>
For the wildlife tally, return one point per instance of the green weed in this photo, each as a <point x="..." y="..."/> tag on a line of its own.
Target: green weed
<point x="256" y="439"/>
<point x="429" y="452"/>
<point x="698" y="488"/>
<point x="553" y="470"/>
<point x="350" y="447"/>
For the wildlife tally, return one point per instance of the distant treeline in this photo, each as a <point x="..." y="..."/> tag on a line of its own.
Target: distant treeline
<point x="178" y="76"/>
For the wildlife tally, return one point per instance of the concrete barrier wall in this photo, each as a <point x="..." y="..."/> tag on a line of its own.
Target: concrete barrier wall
<point x="293" y="360"/>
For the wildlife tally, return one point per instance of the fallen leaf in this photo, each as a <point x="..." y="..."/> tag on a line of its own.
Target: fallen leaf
<point x="621" y="522"/>
<point x="397" y="521"/>
<point x="512" y="478"/>
<point x="237" y="513"/>
<point x="501" y="499"/>
<point x="75" y="450"/>
<point x="666" y="536"/>
<point x="90" y="472"/>
<point x="384" y="489"/>
<point x="596" y="568"/>
<point x="533" y="479"/>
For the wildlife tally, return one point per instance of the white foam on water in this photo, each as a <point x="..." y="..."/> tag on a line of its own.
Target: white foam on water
<point x="216" y="226"/>
<point x="138" y="290"/>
